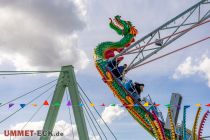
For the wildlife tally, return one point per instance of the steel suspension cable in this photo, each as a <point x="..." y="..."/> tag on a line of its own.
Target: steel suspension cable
<point x="34" y="114"/>
<point x="42" y="71"/>
<point x="70" y="118"/>
<point x="97" y="112"/>
<point x="11" y="74"/>
<point x="172" y="52"/>
<point x="86" y="117"/>
<point x="89" y="113"/>
<point x="27" y="104"/>
<point x="2" y="73"/>
<point x="28" y="93"/>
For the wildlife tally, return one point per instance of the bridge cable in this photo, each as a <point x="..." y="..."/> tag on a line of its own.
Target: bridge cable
<point x="34" y="114"/>
<point x="27" y="104"/>
<point x="89" y="113"/>
<point x="97" y="112"/>
<point x="70" y="118"/>
<point x="86" y="117"/>
<point x="27" y="93"/>
<point x="26" y="72"/>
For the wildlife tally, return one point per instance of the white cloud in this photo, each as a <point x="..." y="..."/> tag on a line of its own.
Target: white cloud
<point x="112" y="113"/>
<point x="60" y="126"/>
<point x="197" y="66"/>
<point x="82" y="4"/>
<point x="41" y="34"/>
<point x="184" y="69"/>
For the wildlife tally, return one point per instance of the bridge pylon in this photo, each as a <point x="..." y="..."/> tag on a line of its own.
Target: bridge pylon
<point x="66" y="79"/>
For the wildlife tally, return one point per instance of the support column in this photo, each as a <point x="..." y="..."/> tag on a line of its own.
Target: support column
<point x="66" y="79"/>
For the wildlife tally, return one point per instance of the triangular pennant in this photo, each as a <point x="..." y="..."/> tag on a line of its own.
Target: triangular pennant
<point x="92" y="104"/>
<point x="186" y="106"/>
<point x="112" y="104"/>
<point x="177" y="106"/>
<point x="22" y="105"/>
<point x="208" y="105"/>
<point x="103" y="104"/>
<point x="81" y="104"/>
<point x="57" y="104"/>
<point x="35" y="105"/>
<point x="198" y="105"/>
<point x="136" y="104"/>
<point x="168" y="105"/>
<point x="157" y="104"/>
<point x="68" y="103"/>
<point x="46" y="103"/>
<point x="10" y="105"/>
<point x="146" y="104"/>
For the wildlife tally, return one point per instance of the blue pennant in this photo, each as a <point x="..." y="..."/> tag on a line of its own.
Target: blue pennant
<point x="186" y="106"/>
<point x="22" y="105"/>
<point x="80" y="104"/>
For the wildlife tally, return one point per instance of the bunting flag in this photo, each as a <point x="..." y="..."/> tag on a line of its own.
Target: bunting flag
<point x="92" y="104"/>
<point x="68" y="103"/>
<point x="22" y="105"/>
<point x="103" y="104"/>
<point x="168" y="105"/>
<point x="177" y="106"/>
<point x="10" y="105"/>
<point x="112" y="104"/>
<point x="57" y="104"/>
<point x="208" y="105"/>
<point x="46" y="103"/>
<point x="146" y="104"/>
<point x="186" y="106"/>
<point x="198" y="105"/>
<point x="157" y="104"/>
<point x="81" y="104"/>
<point x="35" y="105"/>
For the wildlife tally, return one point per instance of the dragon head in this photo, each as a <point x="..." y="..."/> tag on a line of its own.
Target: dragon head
<point x="122" y="27"/>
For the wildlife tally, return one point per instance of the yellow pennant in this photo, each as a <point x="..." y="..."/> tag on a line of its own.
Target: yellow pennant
<point x="198" y="105"/>
<point x="92" y="104"/>
<point x="146" y="104"/>
<point x="34" y="105"/>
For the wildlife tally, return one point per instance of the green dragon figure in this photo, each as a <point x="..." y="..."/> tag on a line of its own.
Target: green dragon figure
<point x="106" y="50"/>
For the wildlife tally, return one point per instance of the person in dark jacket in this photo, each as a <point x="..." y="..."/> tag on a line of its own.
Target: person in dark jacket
<point x="121" y="71"/>
<point x="139" y="89"/>
<point x="112" y="64"/>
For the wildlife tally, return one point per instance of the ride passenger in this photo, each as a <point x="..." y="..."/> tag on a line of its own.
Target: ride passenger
<point x="129" y="86"/>
<point x="139" y="89"/>
<point x="122" y="71"/>
<point x="112" y="64"/>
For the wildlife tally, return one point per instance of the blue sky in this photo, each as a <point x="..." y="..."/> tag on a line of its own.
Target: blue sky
<point x="43" y="36"/>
